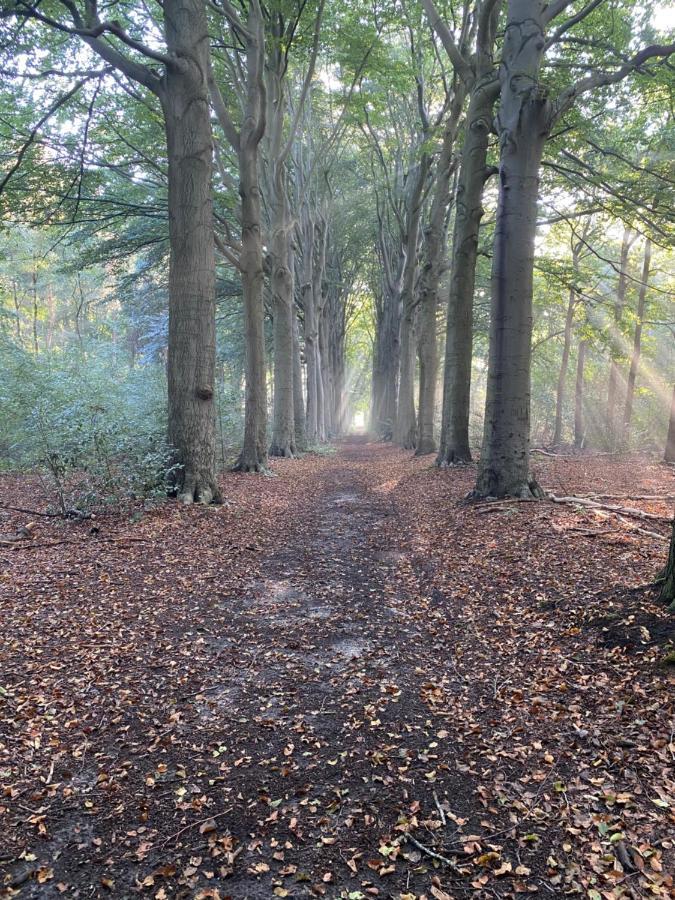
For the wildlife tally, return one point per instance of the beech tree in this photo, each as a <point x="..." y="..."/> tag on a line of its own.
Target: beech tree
<point x="524" y="121"/>
<point x="475" y="69"/>
<point x="183" y="95"/>
<point x="247" y="256"/>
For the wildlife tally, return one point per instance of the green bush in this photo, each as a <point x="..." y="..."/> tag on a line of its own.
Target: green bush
<point x="95" y="427"/>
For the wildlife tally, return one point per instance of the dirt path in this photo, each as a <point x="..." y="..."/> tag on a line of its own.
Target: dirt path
<point x="265" y="700"/>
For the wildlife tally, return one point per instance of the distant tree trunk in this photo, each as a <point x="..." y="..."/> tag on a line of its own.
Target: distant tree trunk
<point x="387" y="342"/>
<point x="192" y="322"/>
<point x="434" y="247"/>
<point x="637" y="341"/>
<point x="17" y="310"/>
<point x="668" y="575"/>
<point x="669" y="455"/>
<point x="616" y="341"/>
<point x="524" y="123"/>
<point x="405" y="432"/>
<point x="562" y="375"/>
<point x="579" y="436"/>
<point x="36" y="345"/>
<point x="298" y="399"/>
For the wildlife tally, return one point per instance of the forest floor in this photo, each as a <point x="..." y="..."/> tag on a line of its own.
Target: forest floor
<point x="342" y="683"/>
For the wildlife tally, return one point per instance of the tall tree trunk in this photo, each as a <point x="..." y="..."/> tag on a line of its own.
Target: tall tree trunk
<point x="405" y="432"/>
<point x="524" y="122"/>
<point x="637" y="341"/>
<point x="192" y="321"/>
<point x="611" y="420"/>
<point x="253" y="456"/>
<point x="669" y="455"/>
<point x="434" y="252"/>
<point x="283" y="429"/>
<point x="579" y="435"/>
<point x="454" y="439"/>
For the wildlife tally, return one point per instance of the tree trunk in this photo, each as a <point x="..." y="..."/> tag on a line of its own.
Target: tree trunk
<point x="637" y="342"/>
<point x="579" y="436"/>
<point x="36" y="346"/>
<point x="562" y="375"/>
<point x="405" y="433"/>
<point x="298" y="399"/>
<point x="669" y="455"/>
<point x="192" y="323"/>
<point x="454" y="440"/>
<point x="253" y="456"/>
<point x="434" y="252"/>
<point x="668" y="575"/>
<point x="616" y="342"/>
<point x="523" y="124"/>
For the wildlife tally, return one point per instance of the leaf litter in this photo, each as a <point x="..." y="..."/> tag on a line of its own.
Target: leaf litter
<point x="345" y="684"/>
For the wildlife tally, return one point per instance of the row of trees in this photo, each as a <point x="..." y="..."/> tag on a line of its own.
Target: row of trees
<point x="314" y="156"/>
<point x="506" y="74"/>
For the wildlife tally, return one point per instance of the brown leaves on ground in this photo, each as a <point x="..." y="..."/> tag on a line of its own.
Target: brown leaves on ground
<point x="340" y="684"/>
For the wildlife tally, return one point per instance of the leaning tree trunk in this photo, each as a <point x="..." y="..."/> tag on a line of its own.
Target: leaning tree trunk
<point x="524" y="123"/>
<point x="192" y="315"/>
<point x="454" y="439"/>
<point x="637" y="342"/>
<point x="669" y="455"/>
<point x="579" y="435"/>
<point x="668" y="575"/>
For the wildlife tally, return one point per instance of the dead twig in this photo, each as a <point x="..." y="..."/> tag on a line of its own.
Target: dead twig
<point x="432" y="853"/>
<point x="215" y="816"/>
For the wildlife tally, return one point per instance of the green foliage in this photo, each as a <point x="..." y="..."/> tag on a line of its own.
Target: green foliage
<point x="95" y="428"/>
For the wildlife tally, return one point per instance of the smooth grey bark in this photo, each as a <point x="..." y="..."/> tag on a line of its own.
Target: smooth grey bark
<point x="283" y="429"/>
<point x="479" y="78"/>
<point x="435" y="233"/>
<point x="523" y="123"/>
<point x="669" y="455"/>
<point x="405" y="431"/>
<point x="282" y="276"/>
<point x="246" y="142"/>
<point x="637" y="341"/>
<point x="579" y="431"/>
<point x="611" y="417"/>
<point x="454" y="440"/>
<point x="192" y="323"/>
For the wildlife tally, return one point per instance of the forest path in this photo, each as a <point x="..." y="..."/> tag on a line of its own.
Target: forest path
<point x="262" y="699"/>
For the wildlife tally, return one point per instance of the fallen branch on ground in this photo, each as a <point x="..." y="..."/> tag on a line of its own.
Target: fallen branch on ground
<point x="610" y="507"/>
